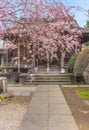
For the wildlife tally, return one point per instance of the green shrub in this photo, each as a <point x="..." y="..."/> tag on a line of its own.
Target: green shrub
<point x="87" y="43"/>
<point x="71" y="63"/>
<point x="86" y="74"/>
<point x="81" y="62"/>
<point x="1" y="97"/>
<point x="0" y="67"/>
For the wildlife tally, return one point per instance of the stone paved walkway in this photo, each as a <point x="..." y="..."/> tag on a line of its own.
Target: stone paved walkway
<point x="48" y="110"/>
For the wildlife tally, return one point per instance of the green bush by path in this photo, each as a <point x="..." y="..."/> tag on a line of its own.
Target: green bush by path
<point x="81" y="62"/>
<point x="86" y="74"/>
<point x="83" y="93"/>
<point x="71" y="63"/>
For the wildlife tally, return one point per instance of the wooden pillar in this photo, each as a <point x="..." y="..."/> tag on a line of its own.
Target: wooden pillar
<point x="33" y="62"/>
<point x="33" y="56"/>
<point x="2" y="60"/>
<point x="7" y="58"/>
<point x="18" y="57"/>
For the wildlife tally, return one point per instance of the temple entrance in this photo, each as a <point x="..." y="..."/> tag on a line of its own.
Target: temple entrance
<point x="52" y="63"/>
<point x="53" y="66"/>
<point x="48" y="64"/>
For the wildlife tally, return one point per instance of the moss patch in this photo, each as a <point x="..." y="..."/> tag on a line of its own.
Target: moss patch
<point x="83" y="93"/>
<point x="11" y="81"/>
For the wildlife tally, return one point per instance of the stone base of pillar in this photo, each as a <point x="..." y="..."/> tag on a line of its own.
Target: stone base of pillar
<point x="48" y="69"/>
<point x="62" y="70"/>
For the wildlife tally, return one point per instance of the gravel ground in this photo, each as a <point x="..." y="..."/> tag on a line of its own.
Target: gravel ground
<point x="12" y="110"/>
<point x="11" y="113"/>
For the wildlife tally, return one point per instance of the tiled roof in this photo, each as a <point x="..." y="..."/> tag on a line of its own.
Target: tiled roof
<point x="84" y="30"/>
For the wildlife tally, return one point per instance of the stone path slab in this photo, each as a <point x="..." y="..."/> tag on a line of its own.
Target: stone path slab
<point x="20" y="91"/>
<point x="61" y="122"/>
<point x="48" y="110"/>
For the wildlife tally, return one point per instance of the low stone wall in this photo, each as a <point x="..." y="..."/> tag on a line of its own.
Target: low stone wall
<point x="22" y="77"/>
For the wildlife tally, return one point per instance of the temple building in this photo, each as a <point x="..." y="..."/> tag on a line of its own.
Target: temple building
<point x="19" y="55"/>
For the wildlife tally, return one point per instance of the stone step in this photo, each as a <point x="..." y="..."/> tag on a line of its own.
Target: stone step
<point x="55" y="77"/>
<point x="49" y="80"/>
<point x="47" y="83"/>
<point x="47" y="75"/>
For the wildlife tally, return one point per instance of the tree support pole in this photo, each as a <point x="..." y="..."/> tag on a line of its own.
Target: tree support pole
<point x="62" y="62"/>
<point x="48" y="66"/>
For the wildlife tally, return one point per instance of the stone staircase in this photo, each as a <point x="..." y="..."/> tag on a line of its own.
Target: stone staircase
<point x="54" y="79"/>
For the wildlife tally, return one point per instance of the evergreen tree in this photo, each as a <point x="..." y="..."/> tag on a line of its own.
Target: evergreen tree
<point x="87" y="24"/>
